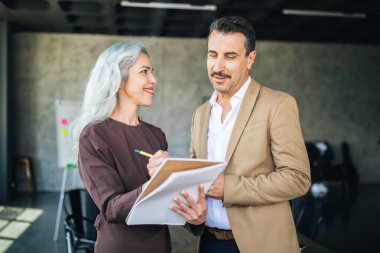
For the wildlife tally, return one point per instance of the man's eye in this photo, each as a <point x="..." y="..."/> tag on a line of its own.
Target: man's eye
<point x="212" y="55"/>
<point x="231" y="56"/>
<point x="144" y="71"/>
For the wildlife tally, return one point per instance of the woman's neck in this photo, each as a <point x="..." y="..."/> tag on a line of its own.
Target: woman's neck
<point x="127" y="114"/>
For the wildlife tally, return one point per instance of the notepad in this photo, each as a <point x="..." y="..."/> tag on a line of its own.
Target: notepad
<point x="173" y="176"/>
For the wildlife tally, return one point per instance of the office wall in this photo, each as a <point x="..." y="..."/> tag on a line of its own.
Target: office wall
<point x="336" y="86"/>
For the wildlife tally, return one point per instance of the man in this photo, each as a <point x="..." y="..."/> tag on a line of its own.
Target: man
<point x="257" y="131"/>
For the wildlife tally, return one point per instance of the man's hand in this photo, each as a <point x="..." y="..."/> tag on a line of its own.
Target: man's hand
<point x="194" y="212"/>
<point x="216" y="190"/>
<point x="156" y="160"/>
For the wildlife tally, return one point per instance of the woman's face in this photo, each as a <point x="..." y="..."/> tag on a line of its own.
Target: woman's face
<point x="139" y="88"/>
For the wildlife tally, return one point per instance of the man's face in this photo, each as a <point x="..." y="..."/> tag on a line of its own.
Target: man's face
<point x="227" y="64"/>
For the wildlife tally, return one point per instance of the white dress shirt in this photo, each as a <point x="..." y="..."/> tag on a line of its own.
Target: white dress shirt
<point x="217" y="142"/>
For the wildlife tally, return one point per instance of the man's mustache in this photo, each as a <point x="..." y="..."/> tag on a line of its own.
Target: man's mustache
<point x="220" y="74"/>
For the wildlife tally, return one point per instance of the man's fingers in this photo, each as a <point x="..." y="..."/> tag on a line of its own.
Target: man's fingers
<point x="211" y="194"/>
<point x="210" y="190"/>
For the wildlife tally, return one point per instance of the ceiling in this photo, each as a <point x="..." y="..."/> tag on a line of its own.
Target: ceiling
<point x="109" y="17"/>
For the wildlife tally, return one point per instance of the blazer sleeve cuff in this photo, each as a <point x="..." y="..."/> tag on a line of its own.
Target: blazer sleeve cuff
<point x="196" y="230"/>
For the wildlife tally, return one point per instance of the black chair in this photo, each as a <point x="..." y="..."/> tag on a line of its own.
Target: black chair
<point x="348" y="168"/>
<point x="307" y="209"/>
<point x="339" y="178"/>
<point x="79" y="228"/>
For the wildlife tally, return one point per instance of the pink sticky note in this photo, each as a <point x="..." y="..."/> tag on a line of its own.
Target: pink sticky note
<point x="64" y="121"/>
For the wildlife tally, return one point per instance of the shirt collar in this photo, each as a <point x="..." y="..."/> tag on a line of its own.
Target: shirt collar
<point x="239" y="95"/>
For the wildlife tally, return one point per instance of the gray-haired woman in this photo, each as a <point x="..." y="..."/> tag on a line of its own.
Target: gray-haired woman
<point x="105" y="134"/>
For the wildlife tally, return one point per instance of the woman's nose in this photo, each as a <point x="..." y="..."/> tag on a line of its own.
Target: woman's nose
<point x="152" y="79"/>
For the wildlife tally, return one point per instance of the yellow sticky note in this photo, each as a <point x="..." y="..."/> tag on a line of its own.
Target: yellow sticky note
<point x="64" y="132"/>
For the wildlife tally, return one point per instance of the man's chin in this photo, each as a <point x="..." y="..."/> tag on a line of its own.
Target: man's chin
<point x="219" y="84"/>
<point x="222" y="89"/>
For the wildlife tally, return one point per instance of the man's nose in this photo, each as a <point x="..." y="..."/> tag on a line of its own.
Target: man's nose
<point x="219" y="64"/>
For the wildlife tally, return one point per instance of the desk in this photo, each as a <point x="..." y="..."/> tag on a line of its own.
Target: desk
<point x="311" y="246"/>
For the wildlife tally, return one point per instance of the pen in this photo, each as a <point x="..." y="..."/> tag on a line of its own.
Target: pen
<point x="143" y="153"/>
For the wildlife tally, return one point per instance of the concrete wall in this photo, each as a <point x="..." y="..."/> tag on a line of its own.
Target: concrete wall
<point x="336" y="86"/>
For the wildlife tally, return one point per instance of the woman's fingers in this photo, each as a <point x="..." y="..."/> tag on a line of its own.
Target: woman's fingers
<point x="182" y="213"/>
<point x="186" y="209"/>
<point x="202" y="198"/>
<point x="160" y="153"/>
<point x="156" y="160"/>
<point x="194" y="212"/>
<point x="152" y="171"/>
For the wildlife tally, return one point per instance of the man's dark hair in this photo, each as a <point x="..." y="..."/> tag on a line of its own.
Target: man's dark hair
<point x="234" y="24"/>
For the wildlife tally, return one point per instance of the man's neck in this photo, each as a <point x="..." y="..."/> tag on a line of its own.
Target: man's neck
<point x="223" y="98"/>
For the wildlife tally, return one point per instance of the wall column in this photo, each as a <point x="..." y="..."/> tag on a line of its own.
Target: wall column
<point x="4" y="109"/>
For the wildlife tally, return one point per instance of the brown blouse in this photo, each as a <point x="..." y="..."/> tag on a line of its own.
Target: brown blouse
<point x="113" y="175"/>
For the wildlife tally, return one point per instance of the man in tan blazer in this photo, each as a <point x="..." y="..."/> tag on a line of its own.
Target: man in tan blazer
<point x="257" y="131"/>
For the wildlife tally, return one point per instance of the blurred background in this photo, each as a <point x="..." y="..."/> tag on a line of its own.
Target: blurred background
<point x="325" y="53"/>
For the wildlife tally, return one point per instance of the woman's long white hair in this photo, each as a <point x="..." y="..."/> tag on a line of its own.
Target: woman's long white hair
<point x="100" y="95"/>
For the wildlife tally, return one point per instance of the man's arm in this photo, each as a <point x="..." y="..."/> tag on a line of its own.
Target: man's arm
<point x="291" y="177"/>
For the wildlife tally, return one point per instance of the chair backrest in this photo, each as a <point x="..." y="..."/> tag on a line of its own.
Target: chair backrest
<point x="80" y="205"/>
<point x="314" y="154"/>
<point x="349" y="167"/>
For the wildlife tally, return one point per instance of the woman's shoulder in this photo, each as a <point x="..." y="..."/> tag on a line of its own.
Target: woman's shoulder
<point x="94" y="129"/>
<point x="155" y="130"/>
<point x="152" y="127"/>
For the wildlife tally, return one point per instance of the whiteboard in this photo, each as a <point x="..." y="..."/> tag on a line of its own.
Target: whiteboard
<point x="65" y="113"/>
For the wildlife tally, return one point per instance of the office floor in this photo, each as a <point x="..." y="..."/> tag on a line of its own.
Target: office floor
<point x="351" y="223"/>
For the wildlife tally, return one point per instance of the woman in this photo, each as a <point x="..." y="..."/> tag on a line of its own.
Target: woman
<point x="106" y="133"/>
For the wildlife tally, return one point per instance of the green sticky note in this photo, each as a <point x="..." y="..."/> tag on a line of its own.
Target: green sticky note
<point x="71" y="166"/>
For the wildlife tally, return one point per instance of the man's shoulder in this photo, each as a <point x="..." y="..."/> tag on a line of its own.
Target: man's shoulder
<point x="273" y="96"/>
<point x="272" y="93"/>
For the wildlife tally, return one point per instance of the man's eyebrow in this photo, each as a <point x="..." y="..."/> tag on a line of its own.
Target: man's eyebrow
<point x="226" y="53"/>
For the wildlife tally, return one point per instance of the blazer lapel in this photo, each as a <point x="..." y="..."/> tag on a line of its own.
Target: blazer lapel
<point x="244" y="114"/>
<point x="206" y="110"/>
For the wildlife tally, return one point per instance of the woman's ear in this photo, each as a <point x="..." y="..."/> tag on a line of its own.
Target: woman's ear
<point x="122" y="84"/>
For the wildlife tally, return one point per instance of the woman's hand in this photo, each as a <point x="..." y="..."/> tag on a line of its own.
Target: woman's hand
<point x="156" y="160"/>
<point x="194" y="212"/>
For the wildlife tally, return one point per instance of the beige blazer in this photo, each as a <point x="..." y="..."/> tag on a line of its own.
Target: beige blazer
<point x="267" y="166"/>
